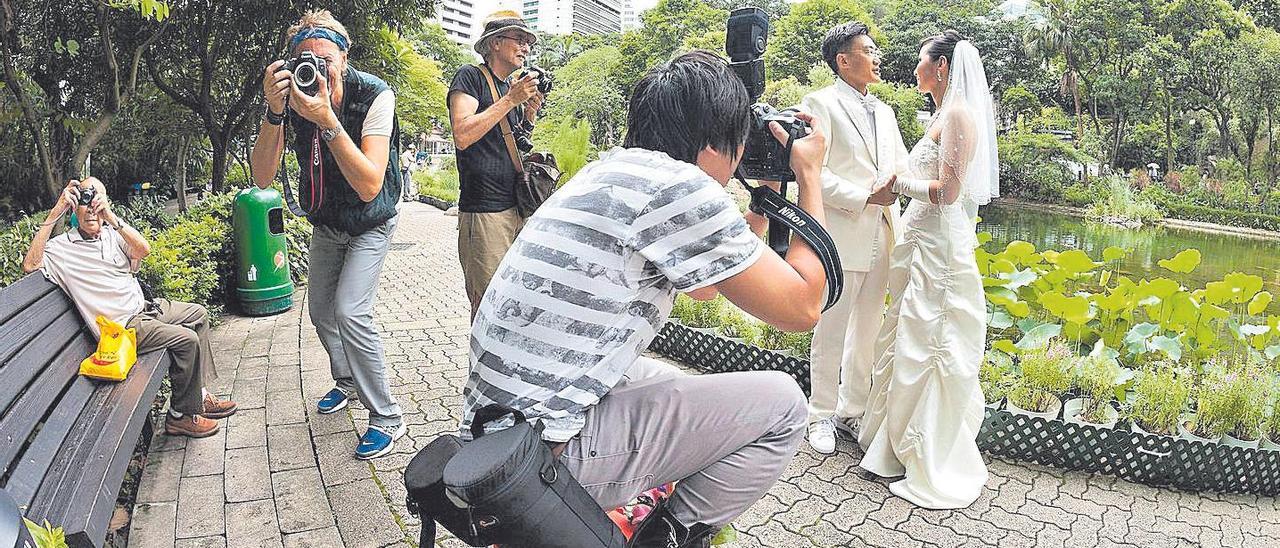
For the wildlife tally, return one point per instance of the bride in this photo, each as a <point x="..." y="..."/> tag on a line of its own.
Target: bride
<point x="926" y="406"/>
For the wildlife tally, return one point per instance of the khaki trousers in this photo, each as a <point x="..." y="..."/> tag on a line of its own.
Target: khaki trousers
<point x="183" y="330"/>
<point x="483" y="239"/>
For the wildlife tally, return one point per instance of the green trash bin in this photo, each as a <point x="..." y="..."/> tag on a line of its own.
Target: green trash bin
<point x="263" y="285"/>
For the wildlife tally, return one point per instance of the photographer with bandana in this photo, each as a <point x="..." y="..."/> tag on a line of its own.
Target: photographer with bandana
<point x="349" y="184"/>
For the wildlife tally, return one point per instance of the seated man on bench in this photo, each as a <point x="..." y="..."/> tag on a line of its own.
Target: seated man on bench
<point x="95" y="264"/>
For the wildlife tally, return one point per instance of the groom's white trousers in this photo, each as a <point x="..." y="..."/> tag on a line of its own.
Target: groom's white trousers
<point x="843" y="350"/>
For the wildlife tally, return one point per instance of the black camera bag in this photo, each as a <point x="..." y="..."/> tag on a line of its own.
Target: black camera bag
<point x="514" y="486"/>
<point x="424" y="481"/>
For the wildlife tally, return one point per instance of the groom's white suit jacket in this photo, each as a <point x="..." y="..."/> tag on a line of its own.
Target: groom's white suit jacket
<point x="851" y="169"/>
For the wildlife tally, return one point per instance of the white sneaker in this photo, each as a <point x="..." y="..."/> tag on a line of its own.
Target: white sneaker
<point x="822" y="436"/>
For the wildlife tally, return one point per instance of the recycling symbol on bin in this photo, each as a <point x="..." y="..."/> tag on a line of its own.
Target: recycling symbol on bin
<point x="253" y="273"/>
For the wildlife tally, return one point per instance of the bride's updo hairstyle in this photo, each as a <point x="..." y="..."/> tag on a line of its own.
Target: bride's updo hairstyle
<point x="942" y="45"/>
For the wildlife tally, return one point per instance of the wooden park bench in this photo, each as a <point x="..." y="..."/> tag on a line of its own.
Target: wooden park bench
<point x="65" y="440"/>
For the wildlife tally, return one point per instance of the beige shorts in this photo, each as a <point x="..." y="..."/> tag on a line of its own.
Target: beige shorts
<point x="483" y="238"/>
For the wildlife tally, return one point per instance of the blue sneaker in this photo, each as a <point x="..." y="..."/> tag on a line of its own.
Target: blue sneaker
<point x="377" y="442"/>
<point x="335" y="400"/>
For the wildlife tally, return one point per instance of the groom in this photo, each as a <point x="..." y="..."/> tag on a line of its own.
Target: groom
<point x="864" y="148"/>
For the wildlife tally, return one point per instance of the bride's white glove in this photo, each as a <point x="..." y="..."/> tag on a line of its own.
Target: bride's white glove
<point x="917" y="189"/>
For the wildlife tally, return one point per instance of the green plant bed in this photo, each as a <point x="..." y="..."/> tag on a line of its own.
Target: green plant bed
<point x="1150" y="459"/>
<point x="1245" y="219"/>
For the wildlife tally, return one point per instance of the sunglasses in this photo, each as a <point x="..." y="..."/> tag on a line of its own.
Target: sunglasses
<point x="528" y="41"/>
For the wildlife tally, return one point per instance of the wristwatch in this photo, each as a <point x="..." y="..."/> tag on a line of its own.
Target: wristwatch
<point x="329" y="134"/>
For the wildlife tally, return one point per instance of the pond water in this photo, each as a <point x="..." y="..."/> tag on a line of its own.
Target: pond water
<point x="1222" y="253"/>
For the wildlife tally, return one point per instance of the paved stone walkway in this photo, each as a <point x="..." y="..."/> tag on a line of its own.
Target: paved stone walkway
<point x="279" y="474"/>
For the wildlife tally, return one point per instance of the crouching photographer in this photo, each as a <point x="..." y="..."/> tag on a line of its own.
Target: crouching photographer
<point x="591" y="279"/>
<point x="344" y="133"/>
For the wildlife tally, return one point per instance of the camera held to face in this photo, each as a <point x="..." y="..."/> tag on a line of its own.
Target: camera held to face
<point x="307" y="69"/>
<point x="764" y="158"/>
<point x="86" y="196"/>
<point x="544" y="78"/>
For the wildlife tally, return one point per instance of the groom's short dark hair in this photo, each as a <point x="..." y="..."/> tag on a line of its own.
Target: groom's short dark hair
<point x="838" y="39"/>
<point x="690" y="103"/>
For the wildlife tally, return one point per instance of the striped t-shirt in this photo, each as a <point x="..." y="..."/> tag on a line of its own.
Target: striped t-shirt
<point x="590" y="280"/>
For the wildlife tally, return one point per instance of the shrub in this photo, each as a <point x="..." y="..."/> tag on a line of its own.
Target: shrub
<point x="996" y="376"/>
<point x="1116" y="200"/>
<point x="1097" y="379"/>
<point x="704" y="314"/>
<point x="1159" y="399"/>
<point x="14" y="242"/>
<point x="145" y="211"/>
<point x="1045" y="373"/>
<point x="736" y="325"/>
<point x="441" y="184"/>
<point x="184" y="261"/>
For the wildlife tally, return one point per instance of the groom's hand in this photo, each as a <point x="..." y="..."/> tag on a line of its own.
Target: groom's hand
<point x="884" y="194"/>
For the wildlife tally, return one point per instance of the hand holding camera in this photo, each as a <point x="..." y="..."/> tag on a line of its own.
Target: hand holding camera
<point x="808" y="147"/>
<point x="275" y="85"/>
<point x="523" y="89"/>
<point x="313" y="107"/>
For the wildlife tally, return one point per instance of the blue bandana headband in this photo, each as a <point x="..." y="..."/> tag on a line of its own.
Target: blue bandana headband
<point x="319" y="32"/>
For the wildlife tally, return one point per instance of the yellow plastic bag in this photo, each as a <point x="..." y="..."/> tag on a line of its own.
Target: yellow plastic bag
<point x="117" y="352"/>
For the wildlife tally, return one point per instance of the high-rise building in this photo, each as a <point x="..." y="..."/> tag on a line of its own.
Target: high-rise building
<point x="573" y="16"/>
<point x="460" y="20"/>
<point x="630" y="15"/>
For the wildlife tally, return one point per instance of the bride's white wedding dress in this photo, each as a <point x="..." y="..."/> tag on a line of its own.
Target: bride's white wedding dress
<point x="926" y="405"/>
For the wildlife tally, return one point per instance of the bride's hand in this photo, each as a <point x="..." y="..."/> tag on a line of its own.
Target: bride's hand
<point x="884" y="194"/>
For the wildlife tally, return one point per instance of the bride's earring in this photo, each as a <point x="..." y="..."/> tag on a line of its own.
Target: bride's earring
<point x="938" y="74"/>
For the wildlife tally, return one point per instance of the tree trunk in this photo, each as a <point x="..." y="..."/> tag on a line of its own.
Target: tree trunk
<point x="184" y="147"/>
<point x="1168" y="136"/>
<point x="219" y="175"/>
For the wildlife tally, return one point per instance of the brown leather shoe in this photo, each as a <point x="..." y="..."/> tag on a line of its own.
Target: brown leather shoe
<point x="215" y="408"/>
<point x="192" y="426"/>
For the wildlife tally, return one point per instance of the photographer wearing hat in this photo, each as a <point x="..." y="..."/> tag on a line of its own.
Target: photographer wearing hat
<point x="344" y="133"/>
<point x="591" y="279"/>
<point x="487" y="218"/>
<point x="95" y="264"/>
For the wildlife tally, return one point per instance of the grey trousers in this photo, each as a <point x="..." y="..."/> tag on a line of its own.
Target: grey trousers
<point x="726" y="437"/>
<point x="183" y="330"/>
<point x="341" y="292"/>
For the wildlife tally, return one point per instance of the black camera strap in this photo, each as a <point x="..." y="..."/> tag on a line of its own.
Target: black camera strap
<point x="314" y="163"/>
<point x="789" y="217"/>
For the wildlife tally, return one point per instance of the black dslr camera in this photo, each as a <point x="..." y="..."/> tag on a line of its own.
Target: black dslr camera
<point x="765" y="158"/>
<point x="306" y="69"/>
<point x="544" y="78"/>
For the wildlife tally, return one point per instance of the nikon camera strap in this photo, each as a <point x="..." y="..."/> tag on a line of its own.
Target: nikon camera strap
<point x="766" y="201"/>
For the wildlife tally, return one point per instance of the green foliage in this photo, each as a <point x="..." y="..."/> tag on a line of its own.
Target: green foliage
<point x="666" y="27"/>
<point x="569" y="139"/>
<point x="905" y="101"/>
<point x="1035" y="164"/>
<point x="420" y="76"/>
<point x="46" y="536"/>
<point x="15" y="240"/>
<point x="430" y="41"/>
<point x="1159" y="399"/>
<point x="704" y="314"/>
<point x="1044" y="373"/>
<point x="996" y="376"/>
<point x="441" y="184"/>
<point x="585" y="92"/>
<point x="146" y="211"/>
<point x="795" y="41"/>
<point x="1020" y="102"/>
<point x="1097" y="378"/>
<point x="182" y="265"/>
<point x="1114" y="200"/>
<point x="736" y="325"/>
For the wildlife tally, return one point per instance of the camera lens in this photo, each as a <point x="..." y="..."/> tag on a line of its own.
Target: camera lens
<point x="304" y="75"/>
